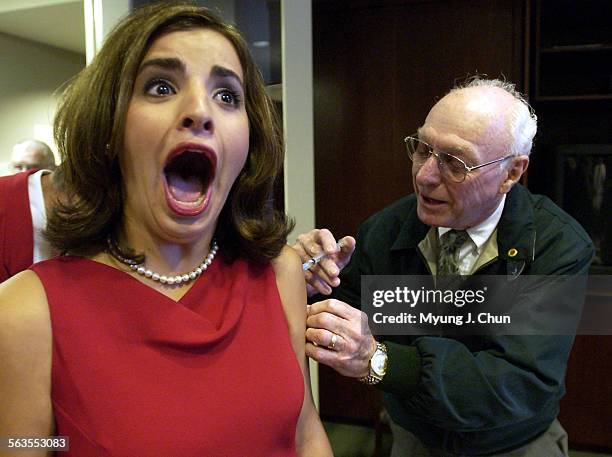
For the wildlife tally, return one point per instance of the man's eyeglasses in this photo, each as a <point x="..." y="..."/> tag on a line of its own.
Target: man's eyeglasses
<point x="451" y="167"/>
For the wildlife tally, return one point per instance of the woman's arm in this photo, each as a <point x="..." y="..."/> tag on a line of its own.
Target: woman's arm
<point x="311" y="439"/>
<point x="25" y="358"/>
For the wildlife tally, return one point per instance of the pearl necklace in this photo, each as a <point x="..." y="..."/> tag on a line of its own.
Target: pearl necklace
<point x="115" y="251"/>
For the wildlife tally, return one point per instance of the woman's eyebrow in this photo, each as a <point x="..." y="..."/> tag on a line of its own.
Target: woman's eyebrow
<point x="224" y="72"/>
<point x="172" y="63"/>
<point x="168" y="63"/>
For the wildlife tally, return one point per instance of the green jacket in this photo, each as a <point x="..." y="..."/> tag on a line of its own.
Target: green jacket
<point x="474" y="395"/>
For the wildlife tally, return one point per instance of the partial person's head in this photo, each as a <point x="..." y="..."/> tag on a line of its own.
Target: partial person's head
<point x="170" y="127"/>
<point x="30" y="154"/>
<point x="482" y="122"/>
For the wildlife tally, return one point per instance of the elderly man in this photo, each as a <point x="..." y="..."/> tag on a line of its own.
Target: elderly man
<point x="32" y="154"/>
<point x="451" y="395"/>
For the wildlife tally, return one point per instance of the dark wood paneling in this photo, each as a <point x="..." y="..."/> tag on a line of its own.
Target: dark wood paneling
<point x="379" y="66"/>
<point x="586" y="410"/>
<point x="358" y="148"/>
<point x="377" y="73"/>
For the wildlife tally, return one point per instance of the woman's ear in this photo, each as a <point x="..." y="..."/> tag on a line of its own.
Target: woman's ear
<point x="514" y="172"/>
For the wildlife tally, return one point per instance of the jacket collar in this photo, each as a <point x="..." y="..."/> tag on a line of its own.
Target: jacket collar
<point x="516" y="229"/>
<point x="412" y="231"/>
<point x="516" y="234"/>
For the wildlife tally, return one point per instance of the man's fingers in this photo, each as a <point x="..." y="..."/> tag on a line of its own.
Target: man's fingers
<point x="323" y="274"/>
<point x="316" y="241"/>
<point x="344" y="365"/>
<point x="336" y="308"/>
<point x="347" y="244"/>
<point x="320" y="354"/>
<point x="347" y="247"/>
<point x="315" y="285"/>
<point x="326" y="357"/>
<point x="329" y="269"/>
<point x="311" y="242"/>
<point x="327" y="241"/>
<point x="327" y="321"/>
<point x="325" y="339"/>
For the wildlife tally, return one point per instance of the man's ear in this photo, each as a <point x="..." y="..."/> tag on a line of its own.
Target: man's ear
<point x="514" y="172"/>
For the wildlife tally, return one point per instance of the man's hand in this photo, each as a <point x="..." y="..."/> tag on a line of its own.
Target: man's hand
<point x="323" y="276"/>
<point x="350" y="350"/>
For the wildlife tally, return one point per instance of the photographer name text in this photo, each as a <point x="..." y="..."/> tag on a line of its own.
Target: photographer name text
<point x="433" y="319"/>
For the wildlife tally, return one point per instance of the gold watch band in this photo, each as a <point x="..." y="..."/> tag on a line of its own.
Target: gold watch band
<point x="372" y="378"/>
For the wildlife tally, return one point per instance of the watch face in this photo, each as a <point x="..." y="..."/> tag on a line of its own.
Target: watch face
<point x="378" y="363"/>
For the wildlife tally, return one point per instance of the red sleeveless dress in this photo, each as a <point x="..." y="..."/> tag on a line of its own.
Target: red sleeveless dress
<point x="136" y="374"/>
<point x="16" y="231"/>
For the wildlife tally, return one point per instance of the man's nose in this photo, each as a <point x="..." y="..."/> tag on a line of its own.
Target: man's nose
<point x="429" y="172"/>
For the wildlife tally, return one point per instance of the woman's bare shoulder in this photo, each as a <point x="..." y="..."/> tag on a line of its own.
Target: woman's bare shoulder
<point x="22" y="293"/>
<point x="24" y="312"/>
<point x="288" y="264"/>
<point x="291" y="286"/>
<point x="26" y="352"/>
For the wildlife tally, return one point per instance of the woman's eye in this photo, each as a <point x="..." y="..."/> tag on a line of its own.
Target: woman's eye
<point x="228" y="97"/>
<point x="159" y="88"/>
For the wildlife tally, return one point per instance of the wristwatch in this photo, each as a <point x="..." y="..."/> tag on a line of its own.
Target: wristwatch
<point x="378" y="366"/>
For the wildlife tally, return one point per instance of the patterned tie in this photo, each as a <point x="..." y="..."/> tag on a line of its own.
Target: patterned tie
<point x="448" y="255"/>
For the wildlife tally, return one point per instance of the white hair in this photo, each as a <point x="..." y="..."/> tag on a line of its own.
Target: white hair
<point x="523" y="122"/>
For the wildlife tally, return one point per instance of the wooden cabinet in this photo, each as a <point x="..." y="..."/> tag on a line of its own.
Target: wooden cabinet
<point x="573" y="50"/>
<point x="570" y="89"/>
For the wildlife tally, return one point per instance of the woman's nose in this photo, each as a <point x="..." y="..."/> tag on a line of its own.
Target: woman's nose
<point x="196" y="122"/>
<point x="197" y="113"/>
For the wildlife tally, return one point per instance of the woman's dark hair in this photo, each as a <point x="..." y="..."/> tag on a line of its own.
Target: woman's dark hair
<point x="89" y="131"/>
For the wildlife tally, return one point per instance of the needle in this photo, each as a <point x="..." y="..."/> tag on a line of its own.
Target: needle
<point x="317" y="258"/>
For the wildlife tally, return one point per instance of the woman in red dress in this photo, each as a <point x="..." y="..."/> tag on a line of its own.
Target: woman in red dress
<point x="174" y="325"/>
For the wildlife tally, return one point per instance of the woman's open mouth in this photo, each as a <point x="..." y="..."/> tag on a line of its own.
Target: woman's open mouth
<point x="189" y="172"/>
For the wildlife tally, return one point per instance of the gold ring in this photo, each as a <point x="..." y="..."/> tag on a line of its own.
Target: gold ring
<point x="332" y="343"/>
